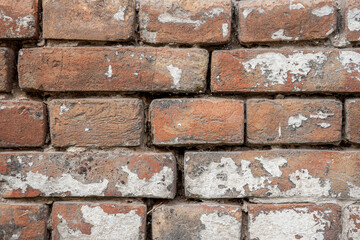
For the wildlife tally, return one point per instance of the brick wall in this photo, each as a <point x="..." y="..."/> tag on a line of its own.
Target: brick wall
<point x="190" y="119"/>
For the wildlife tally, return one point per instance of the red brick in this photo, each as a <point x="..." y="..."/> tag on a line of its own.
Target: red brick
<point x="300" y="174"/>
<point x="22" y="123"/>
<point x="113" y="69"/>
<point x="293" y="121"/>
<point x="110" y="20"/>
<point x="32" y="174"/>
<point x="197" y="121"/>
<point x="294" y="221"/>
<point x="96" y="122"/>
<point x="185" y="22"/>
<point x="286" y="20"/>
<point x="352" y="126"/>
<point x="351" y="222"/>
<point x="23" y="221"/>
<point x="103" y="220"/>
<point x="352" y="20"/>
<point x="18" y="19"/>
<point x="196" y="221"/>
<point x="7" y="61"/>
<point x="304" y="70"/>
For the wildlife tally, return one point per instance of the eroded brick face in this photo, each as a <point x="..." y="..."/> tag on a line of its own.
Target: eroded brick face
<point x="187" y="22"/>
<point x="109" y="20"/>
<point x="113" y="69"/>
<point x="6" y="69"/>
<point x="197" y="121"/>
<point x="96" y="122"/>
<point x="294" y="221"/>
<point x="293" y="121"/>
<point x="196" y="221"/>
<point x="286" y="20"/>
<point x="352" y="20"/>
<point x="105" y="220"/>
<point x="351" y="229"/>
<point x="352" y="129"/>
<point x="23" y="221"/>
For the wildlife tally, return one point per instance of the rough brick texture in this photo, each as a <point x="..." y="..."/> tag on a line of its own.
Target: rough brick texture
<point x="286" y="20"/>
<point x="22" y="123"/>
<point x="18" y="19"/>
<point x="96" y="122"/>
<point x="33" y="174"/>
<point x="294" y="221"/>
<point x="187" y="22"/>
<point x="351" y="229"/>
<point x="197" y="121"/>
<point x="109" y="20"/>
<point x="352" y="127"/>
<point x="113" y="69"/>
<point x="301" y="70"/>
<point x="105" y="220"/>
<point x="196" y="221"/>
<point x="6" y="69"/>
<point x="293" y="121"/>
<point x="272" y="174"/>
<point x="23" y="221"/>
<point x="352" y="20"/>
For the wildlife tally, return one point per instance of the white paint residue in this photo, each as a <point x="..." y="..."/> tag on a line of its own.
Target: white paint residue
<point x="272" y="166"/>
<point x="219" y="224"/>
<point x="149" y="36"/>
<point x="354" y="191"/>
<point x="324" y="125"/>
<point x="64" y="109"/>
<point x="321" y="115"/>
<point x="225" y="29"/>
<point x="155" y="186"/>
<point x="49" y="185"/>
<point x="104" y="225"/>
<point x="5" y="18"/>
<point x="120" y="15"/>
<point x="278" y="68"/>
<point x="214" y="12"/>
<point x="175" y="73"/>
<point x="324" y="11"/>
<point x="280" y="34"/>
<point x="351" y="61"/>
<point x="296" y="121"/>
<point x="109" y="73"/>
<point x="247" y="11"/>
<point x="295" y="6"/>
<point x="15" y="236"/>
<point x="350" y="229"/>
<point x="25" y="22"/>
<point x="279" y="130"/>
<point x="87" y="129"/>
<point x="168" y="18"/>
<point x="353" y="19"/>
<point x="287" y="223"/>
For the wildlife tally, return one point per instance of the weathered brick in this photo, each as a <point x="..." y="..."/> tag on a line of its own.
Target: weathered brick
<point x="113" y="69"/>
<point x="352" y="20"/>
<point x="187" y="22"/>
<point x="351" y="222"/>
<point x="197" y="121"/>
<point x="293" y="121"/>
<point x="23" y="221"/>
<point x="352" y="125"/>
<point x="22" y="123"/>
<point x="196" y="221"/>
<point x="286" y="20"/>
<point x="103" y="220"/>
<point x="273" y="174"/>
<point x="304" y="70"/>
<point x="294" y="221"/>
<point x="18" y="19"/>
<point x="96" y="122"/>
<point x="6" y="68"/>
<point x="110" y="20"/>
<point x="32" y="174"/>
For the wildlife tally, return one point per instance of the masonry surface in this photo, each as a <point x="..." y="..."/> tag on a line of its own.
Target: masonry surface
<point x="189" y="119"/>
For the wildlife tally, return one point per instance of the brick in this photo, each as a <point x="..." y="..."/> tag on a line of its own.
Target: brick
<point x="186" y="22"/>
<point x="103" y="220"/>
<point x="294" y="221"/>
<point x="7" y="61"/>
<point x="304" y="70"/>
<point x="35" y="174"/>
<point x="19" y="19"/>
<point x="351" y="222"/>
<point x="22" y="123"/>
<point x="110" y="20"/>
<point x="293" y="121"/>
<point x="96" y="122"/>
<point x="352" y="126"/>
<point x="286" y="20"/>
<point x="196" y="221"/>
<point x="197" y="121"/>
<point x="273" y="174"/>
<point x="352" y="20"/>
<point x="113" y="69"/>
<point x="23" y="221"/>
